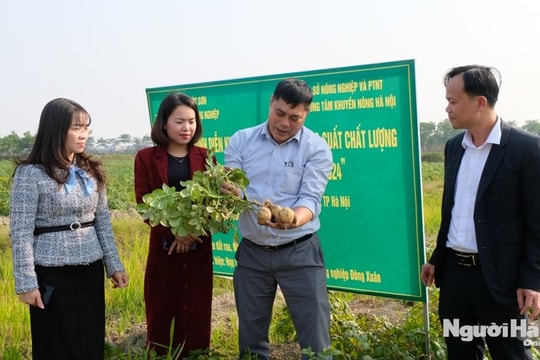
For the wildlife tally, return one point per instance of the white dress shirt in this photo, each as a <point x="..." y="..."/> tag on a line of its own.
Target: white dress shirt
<point x="462" y="235"/>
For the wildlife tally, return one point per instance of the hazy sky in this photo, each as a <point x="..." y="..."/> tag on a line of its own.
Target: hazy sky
<point x="105" y="53"/>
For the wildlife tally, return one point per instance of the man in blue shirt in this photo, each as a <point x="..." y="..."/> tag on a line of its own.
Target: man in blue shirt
<point x="289" y="164"/>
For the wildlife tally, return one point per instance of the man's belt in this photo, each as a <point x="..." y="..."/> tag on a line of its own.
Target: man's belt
<point x="282" y="246"/>
<point x="73" y="226"/>
<point x="465" y="259"/>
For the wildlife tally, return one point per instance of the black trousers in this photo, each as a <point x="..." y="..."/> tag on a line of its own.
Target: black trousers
<point x="72" y="325"/>
<point x="465" y="297"/>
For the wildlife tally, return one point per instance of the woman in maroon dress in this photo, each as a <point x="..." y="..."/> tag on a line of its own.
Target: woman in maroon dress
<point x="178" y="279"/>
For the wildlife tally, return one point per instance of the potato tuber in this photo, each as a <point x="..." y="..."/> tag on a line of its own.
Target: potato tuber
<point x="275" y="209"/>
<point x="286" y="215"/>
<point x="263" y="215"/>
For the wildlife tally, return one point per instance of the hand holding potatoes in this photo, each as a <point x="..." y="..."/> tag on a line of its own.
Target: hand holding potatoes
<point x="275" y="216"/>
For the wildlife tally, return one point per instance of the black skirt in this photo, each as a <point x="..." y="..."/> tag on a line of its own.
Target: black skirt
<point x="72" y="325"/>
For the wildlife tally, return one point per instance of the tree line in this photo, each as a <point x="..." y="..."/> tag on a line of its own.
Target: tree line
<point x="13" y="145"/>
<point x="433" y="136"/>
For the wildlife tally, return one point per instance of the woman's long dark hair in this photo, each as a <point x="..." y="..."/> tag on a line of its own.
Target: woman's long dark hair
<point x="49" y="148"/>
<point x="168" y="104"/>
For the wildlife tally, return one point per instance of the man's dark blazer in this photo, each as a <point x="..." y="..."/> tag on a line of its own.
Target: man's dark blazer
<point x="506" y="214"/>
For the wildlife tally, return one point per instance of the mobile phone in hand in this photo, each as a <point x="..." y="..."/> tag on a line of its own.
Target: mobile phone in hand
<point x="46" y="291"/>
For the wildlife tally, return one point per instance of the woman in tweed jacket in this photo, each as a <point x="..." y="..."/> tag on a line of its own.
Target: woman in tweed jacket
<point x="61" y="237"/>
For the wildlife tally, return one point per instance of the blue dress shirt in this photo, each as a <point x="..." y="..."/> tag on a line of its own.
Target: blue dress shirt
<point x="294" y="173"/>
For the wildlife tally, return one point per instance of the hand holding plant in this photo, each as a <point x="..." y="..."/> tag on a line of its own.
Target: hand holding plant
<point x="200" y="207"/>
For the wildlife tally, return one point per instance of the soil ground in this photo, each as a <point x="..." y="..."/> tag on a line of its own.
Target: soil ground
<point x="223" y="305"/>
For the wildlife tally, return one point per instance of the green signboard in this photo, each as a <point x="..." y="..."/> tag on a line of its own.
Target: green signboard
<point x="372" y="219"/>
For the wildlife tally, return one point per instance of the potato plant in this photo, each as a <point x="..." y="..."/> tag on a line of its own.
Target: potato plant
<point x="199" y="208"/>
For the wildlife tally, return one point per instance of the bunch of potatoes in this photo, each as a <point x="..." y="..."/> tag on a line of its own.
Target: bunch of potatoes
<point x="274" y="213"/>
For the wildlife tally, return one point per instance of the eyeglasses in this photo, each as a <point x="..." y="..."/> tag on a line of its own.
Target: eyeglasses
<point x="81" y="129"/>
